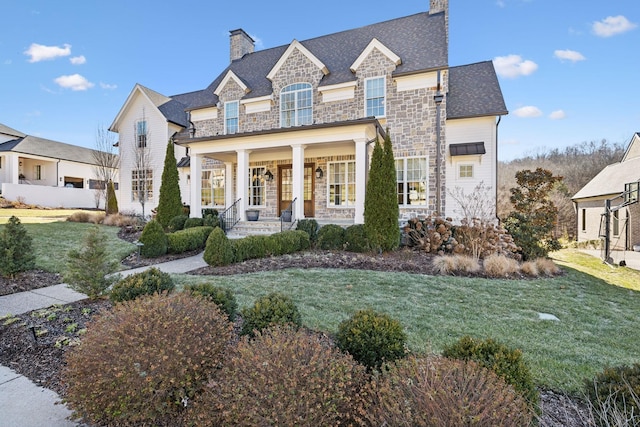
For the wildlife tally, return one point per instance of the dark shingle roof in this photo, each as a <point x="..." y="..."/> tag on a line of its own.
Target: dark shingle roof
<point x="47" y="148"/>
<point x="474" y="91"/>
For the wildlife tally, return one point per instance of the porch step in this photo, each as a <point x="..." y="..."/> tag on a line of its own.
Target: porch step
<point x="252" y="228"/>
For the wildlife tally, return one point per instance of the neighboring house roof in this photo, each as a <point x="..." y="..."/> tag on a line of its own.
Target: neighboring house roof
<point x="611" y="179"/>
<point x="6" y="130"/>
<point x="36" y="146"/>
<point x="474" y="91"/>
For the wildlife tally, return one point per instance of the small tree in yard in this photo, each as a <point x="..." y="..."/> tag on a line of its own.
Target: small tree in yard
<point x="89" y="270"/>
<point x="381" y="204"/>
<point x="112" y="201"/>
<point x="170" y="203"/>
<point x="534" y="217"/>
<point x="16" y="252"/>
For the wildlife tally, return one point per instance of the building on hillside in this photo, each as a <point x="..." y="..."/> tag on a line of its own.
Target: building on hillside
<point x="298" y="122"/>
<point x="617" y="183"/>
<point x="48" y="173"/>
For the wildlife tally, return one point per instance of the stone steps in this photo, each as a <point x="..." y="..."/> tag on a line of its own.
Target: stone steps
<point x="265" y="226"/>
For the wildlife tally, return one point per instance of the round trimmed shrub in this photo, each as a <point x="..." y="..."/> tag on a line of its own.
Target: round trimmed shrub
<point x="444" y="392"/>
<point x="506" y="362"/>
<point x="190" y="239"/>
<point x="283" y="377"/>
<point x="356" y="239"/>
<point x="372" y="338"/>
<point x="222" y="297"/>
<point x="614" y="393"/>
<point x="177" y="222"/>
<point x="269" y="310"/>
<point x="148" y="282"/>
<point x="143" y="361"/>
<point x="154" y="240"/>
<point x="193" y="222"/>
<point x="309" y="226"/>
<point x="211" y="220"/>
<point x="331" y="237"/>
<point x="218" y="250"/>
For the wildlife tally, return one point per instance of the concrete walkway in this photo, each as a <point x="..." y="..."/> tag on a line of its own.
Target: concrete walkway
<point x="23" y="403"/>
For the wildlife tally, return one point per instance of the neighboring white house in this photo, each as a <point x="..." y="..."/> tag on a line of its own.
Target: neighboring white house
<point x="47" y="173"/>
<point x="298" y="122"/>
<point x="618" y="183"/>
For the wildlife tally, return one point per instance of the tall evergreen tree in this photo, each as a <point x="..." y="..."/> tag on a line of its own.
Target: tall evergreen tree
<point x="170" y="203"/>
<point x="112" y="201"/>
<point x="16" y="252"/>
<point x="381" y="204"/>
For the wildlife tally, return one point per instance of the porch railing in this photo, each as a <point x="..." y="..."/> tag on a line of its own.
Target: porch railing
<point x="229" y="218"/>
<point x="288" y="216"/>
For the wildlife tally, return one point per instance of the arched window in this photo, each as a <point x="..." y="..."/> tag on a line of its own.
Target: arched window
<point x="295" y="105"/>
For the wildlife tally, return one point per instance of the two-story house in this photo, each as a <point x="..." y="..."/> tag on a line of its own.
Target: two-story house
<point x="298" y="122"/>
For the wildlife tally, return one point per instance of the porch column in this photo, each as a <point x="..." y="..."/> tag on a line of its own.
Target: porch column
<point x="229" y="196"/>
<point x="298" y="180"/>
<point x="14" y="168"/>
<point x="361" y="179"/>
<point x="242" y="183"/>
<point x="195" y="165"/>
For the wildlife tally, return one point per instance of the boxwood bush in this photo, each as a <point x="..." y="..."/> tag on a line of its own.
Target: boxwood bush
<point x="355" y="239"/>
<point x="193" y="222"/>
<point x="218" y="250"/>
<point x="331" y="237"/>
<point x="269" y="310"/>
<point x="177" y="222"/>
<point x="309" y="226"/>
<point x="189" y="239"/>
<point x="148" y="282"/>
<point x="223" y="297"/>
<point x="154" y="240"/>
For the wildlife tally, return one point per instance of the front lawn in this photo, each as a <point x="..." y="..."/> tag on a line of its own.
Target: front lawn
<point x="597" y="322"/>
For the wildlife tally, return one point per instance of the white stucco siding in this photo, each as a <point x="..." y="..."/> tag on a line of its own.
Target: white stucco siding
<point x="75" y="170"/>
<point x="482" y="129"/>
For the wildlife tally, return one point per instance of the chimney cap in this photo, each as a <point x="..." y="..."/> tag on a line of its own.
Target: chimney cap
<point x="240" y="31"/>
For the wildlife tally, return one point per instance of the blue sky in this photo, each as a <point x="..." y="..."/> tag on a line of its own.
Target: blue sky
<point x="569" y="69"/>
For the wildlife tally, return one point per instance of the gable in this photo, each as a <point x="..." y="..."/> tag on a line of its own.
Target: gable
<point x="375" y="44"/>
<point x="296" y="46"/>
<point x="231" y="77"/>
<point x="633" y="150"/>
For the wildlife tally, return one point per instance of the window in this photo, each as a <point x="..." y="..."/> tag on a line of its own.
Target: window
<point x="465" y="171"/>
<point x="584" y="220"/>
<point x="141" y="133"/>
<point x="141" y="184"/>
<point x="342" y="184"/>
<point x="411" y="177"/>
<point x="256" y="186"/>
<point x="37" y="172"/>
<point x="374" y="90"/>
<point x="212" y="193"/>
<point x="616" y="223"/>
<point x="295" y="105"/>
<point x="231" y="111"/>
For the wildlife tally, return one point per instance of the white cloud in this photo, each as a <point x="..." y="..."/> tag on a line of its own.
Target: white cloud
<point x="528" y="111"/>
<point x="257" y="42"/>
<point x="7" y="62"/>
<point x="512" y="66"/>
<point x="78" y="60"/>
<point x="40" y="52"/>
<point x="74" y="82"/>
<point x="569" y="55"/>
<point x="612" y="25"/>
<point x="108" y="86"/>
<point x="557" y="115"/>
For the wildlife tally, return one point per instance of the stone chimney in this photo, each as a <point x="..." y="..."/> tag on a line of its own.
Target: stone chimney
<point x="241" y="44"/>
<point x="437" y="6"/>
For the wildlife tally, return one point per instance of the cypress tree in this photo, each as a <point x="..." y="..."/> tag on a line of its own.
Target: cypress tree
<point x="373" y="198"/>
<point x="170" y="203"/>
<point x="112" y="201"/>
<point x="389" y="217"/>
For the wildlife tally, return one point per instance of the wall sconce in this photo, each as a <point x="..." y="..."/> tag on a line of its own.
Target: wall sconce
<point x="60" y="179"/>
<point x="319" y="173"/>
<point x="268" y="175"/>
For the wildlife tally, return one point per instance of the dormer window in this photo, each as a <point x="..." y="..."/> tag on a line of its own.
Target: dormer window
<point x="374" y="90"/>
<point x="296" y="105"/>
<point x="231" y="111"/>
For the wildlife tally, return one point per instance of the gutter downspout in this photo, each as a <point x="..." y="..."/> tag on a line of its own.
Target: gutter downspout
<point x="496" y="189"/>
<point x="438" y="98"/>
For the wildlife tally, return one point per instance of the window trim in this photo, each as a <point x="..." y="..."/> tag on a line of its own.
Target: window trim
<point x="147" y="178"/>
<point x="346" y="184"/>
<point x="308" y="87"/>
<point x="221" y="172"/>
<point x="228" y="118"/>
<point x="406" y="193"/>
<point x="367" y="81"/>
<point x="259" y="177"/>
<point x="141" y="135"/>
<point x="466" y="165"/>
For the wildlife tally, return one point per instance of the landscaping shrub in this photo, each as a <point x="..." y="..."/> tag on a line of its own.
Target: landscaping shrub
<point x="530" y="268"/>
<point x="211" y="220"/>
<point x="330" y="237"/>
<point x="86" y="217"/>
<point x="218" y="250"/>
<point x="547" y="267"/>
<point x="148" y="282"/>
<point x="432" y="235"/>
<point x="372" y="338"/>
<point x="193" y="222"/>
<point x="438" y="392"/>
<point x="250" y="247"/>
<point x="121" y="220"/>
<point x="309" y="226"/>
<point x="480" y="239"/>
<point x="283" y="377"/>
<point x="143" y="361"/>
<point x="89" y="270"/>
<point x="614" y="394"/>
<point x="177" y="223"/>
<point x="154" y="240"/>
<point x="286" y="242"/>
<point x="355" y="239"/>
<point x="500" y="266"/>
<point x="112" y="201"/>
<point x="189" y="239"/>
<point x="451" y="264"/>
<point x="222" y="297"/>
<point x="508" y="363"/>
<point x="16" y="250"/>
<point x="169" y="201"/>
<point x="269" y="310"/>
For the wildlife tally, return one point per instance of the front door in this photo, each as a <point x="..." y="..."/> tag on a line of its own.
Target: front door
<point x="285" y="188"/>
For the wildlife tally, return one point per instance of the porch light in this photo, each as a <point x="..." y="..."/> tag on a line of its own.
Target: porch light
<point x="268" y="175"/>
<point x="319" y="173"/>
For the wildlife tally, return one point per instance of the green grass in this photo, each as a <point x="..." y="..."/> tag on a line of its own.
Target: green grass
<point x="52" y="241"/>
<point x="28" y="216"/>
<point x="597" y="327"/>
